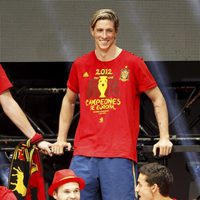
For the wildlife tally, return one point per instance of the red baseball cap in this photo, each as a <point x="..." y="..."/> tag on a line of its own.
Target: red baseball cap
<point x="65" y="176"/>
<point x="6" y="194"/>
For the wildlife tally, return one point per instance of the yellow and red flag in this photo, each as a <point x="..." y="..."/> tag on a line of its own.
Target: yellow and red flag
<point x="26" y="175"/>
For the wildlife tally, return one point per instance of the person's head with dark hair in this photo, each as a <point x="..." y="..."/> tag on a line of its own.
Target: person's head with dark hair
<point x="154" y="182"/>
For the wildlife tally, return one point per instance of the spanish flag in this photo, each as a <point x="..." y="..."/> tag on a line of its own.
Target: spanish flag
<point x="26" y="175"/>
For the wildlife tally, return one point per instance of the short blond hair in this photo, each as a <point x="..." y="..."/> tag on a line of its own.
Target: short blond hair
<point x="105" y="14"/>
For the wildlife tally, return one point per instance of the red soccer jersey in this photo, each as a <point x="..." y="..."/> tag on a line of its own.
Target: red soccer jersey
<point x="109" y="104"/>
<point x="4" y="81"/>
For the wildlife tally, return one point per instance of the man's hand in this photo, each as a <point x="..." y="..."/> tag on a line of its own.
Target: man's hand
<point x="45" y="147"/>
<point x="58" y="147"/>
<point x="164" y="146"/>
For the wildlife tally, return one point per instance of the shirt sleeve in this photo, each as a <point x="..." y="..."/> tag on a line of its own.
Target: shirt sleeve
<point x="144" y="77"/>
<point x="5" y="83"/>
<point x="72" y="82"/>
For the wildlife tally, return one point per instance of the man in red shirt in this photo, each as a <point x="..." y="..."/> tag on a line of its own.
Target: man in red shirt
<point x="15" y="113"/>
<point x="108" y="81"/>
<point x="154" y="182"/>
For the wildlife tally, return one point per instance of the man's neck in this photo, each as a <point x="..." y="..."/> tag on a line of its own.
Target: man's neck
<point x="108" y="55"/>
<point x="163" y="198"/>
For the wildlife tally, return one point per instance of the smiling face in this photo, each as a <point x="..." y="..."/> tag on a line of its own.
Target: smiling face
<point x="104" y="34"/>
<point x="67" y="191"/>
<point x="144" y="190"/>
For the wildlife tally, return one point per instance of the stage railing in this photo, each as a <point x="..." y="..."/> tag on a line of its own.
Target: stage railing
<point x="186" y="144"/>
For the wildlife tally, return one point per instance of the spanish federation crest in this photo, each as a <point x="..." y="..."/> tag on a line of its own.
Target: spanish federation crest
<point x="124" y="75"/>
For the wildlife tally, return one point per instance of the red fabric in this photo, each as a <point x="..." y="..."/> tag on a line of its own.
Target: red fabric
<point x="36" y="185"/>
<point x="5" y="84"/>
<point x="20" y="170"/>
<point x="65" y="176"/>
<point x="26" y="180"/>
<point x="109" y="116"/>
<point x="6" y="194"/>
<point x="36" y="138"/>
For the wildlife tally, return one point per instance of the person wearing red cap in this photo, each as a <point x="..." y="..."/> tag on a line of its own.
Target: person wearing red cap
<point x="6" y="194"/>
<point x="66" y="185"/>
<point x="12" y="109"/>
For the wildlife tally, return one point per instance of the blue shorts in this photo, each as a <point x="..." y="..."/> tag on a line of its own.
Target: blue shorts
<point x="106" y="178"/>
